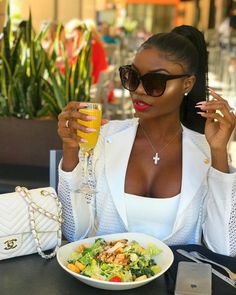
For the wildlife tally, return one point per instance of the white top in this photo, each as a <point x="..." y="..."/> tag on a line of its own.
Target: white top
<point x="152" y="216"/>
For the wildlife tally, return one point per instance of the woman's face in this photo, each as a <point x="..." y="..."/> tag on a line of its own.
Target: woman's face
<point x="154" y="60"/>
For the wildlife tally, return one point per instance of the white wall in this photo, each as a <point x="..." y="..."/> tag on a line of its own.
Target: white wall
<point x="204" y="19"/>
<point x="89" y="9"/>
<point x="83" y="9"/>
<point x="66" y="9"/>
<point x="187" y="13"/>
<point x="41" y="10"/>
<point x="219" y="11"/>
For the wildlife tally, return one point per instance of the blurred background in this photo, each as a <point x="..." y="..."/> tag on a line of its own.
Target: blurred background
<point x="54" y="51"/>
<point x="148" y="15"/>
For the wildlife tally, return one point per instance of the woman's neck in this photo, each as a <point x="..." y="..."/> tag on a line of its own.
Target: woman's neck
<point x="157" y="128"/>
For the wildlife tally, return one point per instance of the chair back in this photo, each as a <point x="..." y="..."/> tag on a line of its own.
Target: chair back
<point x="100" y="92"/>
<point x="112" y="53"/>
<point x="104" y="84"/>
<point x="55" y="157"/>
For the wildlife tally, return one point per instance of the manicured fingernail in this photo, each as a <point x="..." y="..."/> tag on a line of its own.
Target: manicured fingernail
<point x="211" y="90"/>
<point x="201" y="113"/>
<point x="90" y="129"/>
<point x="83" y="140"/>
<point x="83" y="104"/>
<point x="91" y="118"/>
<point x="201" y="102"/>
<point x="202" y="107"/>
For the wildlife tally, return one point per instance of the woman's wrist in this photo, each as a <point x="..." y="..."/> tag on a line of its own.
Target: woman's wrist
<point x="219" y="159"/>
<point x="70" y="157"/>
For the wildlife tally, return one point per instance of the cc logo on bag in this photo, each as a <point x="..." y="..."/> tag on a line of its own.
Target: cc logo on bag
<point x="10" y="244"/>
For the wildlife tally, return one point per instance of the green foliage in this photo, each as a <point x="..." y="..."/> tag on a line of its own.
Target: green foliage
<point x="75" y="81"/>
<point x="31" y="83"/>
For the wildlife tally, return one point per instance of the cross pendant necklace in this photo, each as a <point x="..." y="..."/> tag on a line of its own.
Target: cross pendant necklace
<point x="156" y="157"/>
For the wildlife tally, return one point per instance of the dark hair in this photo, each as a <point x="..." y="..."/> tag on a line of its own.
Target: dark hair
<point x="186" y="44"/>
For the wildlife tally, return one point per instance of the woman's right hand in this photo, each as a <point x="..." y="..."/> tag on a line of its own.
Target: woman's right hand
<point x="67" y="130"/>
<point x="68" y="124"/>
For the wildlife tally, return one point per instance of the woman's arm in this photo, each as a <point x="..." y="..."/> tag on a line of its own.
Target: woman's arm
<point x="70" y="172"/>
<point x="219" y="159"/>
<point x="70" y="158"/>
<point x="77" y="213"/>
<point x="219" y="225"/>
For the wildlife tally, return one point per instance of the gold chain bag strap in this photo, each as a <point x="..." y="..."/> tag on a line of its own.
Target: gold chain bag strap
<point x="36" y="225"/>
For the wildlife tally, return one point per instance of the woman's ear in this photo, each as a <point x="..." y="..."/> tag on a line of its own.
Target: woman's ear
<point x="189" y="83"/>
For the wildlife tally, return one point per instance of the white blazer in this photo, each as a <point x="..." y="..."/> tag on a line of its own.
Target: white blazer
<point x="207" y="203"/>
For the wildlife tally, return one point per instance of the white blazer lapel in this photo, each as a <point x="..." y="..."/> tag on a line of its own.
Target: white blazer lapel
<point x="195" y="166"/>
<point x="117" y="151"/>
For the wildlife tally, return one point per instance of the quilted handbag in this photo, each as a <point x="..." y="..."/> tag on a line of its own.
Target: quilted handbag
<point x="30" y="222"/>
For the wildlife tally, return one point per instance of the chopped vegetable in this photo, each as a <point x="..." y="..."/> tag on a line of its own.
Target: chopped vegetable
<point x="115" y="261"/>
<point x="115" y="279"/>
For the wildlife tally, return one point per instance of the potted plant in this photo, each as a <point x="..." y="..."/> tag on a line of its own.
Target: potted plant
<point x="33" y="91"/>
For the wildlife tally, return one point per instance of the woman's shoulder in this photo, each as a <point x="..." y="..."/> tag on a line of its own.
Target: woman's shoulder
<point x="115" y="126"/>
<point x="196" y="138"/>
<point x="194" y="135"/>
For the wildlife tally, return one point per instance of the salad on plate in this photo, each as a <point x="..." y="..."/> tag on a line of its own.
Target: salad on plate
<point x="115" y="261"/>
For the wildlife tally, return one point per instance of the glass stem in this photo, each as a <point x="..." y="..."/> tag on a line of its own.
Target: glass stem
<point x="85" y="168"/>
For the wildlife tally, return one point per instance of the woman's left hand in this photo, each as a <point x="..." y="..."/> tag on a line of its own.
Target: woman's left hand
<point x="220" y="122"/>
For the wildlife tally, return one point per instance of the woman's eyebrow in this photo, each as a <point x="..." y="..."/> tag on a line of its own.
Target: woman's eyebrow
<point x="152" y="71"/>
<point x="160" y="70"/>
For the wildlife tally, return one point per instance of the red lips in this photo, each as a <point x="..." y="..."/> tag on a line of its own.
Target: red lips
<point x="140" y="105"/>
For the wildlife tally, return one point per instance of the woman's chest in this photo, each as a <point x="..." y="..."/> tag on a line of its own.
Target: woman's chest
<point x="154" y="175"/>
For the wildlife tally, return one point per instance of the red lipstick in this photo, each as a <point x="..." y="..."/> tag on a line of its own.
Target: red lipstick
<point x="141" y="105"/>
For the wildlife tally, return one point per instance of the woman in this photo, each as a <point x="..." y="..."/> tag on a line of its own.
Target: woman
<point x="157" y="173"/>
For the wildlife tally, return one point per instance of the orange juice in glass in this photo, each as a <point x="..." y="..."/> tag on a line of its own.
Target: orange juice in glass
<point x="95" y="110"/>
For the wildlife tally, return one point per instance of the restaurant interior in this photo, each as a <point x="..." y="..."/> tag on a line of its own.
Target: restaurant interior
<point x="121" y="25"/>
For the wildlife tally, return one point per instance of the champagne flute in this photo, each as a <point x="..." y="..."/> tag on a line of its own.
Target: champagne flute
<point x="94" y="110"/>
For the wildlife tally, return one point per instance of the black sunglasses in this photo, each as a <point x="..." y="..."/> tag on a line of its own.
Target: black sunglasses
<point x="153" y="83"/>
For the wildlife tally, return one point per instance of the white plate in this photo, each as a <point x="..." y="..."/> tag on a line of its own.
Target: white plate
<point x="164" y="259"/>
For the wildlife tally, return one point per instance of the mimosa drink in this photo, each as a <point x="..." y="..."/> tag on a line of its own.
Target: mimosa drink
<point x="95" y="110"/>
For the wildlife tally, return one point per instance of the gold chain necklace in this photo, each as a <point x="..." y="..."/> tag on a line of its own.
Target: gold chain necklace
<point x="156" y="158"/>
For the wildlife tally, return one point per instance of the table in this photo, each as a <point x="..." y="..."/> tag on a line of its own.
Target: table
<point x="32" y="275"/>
